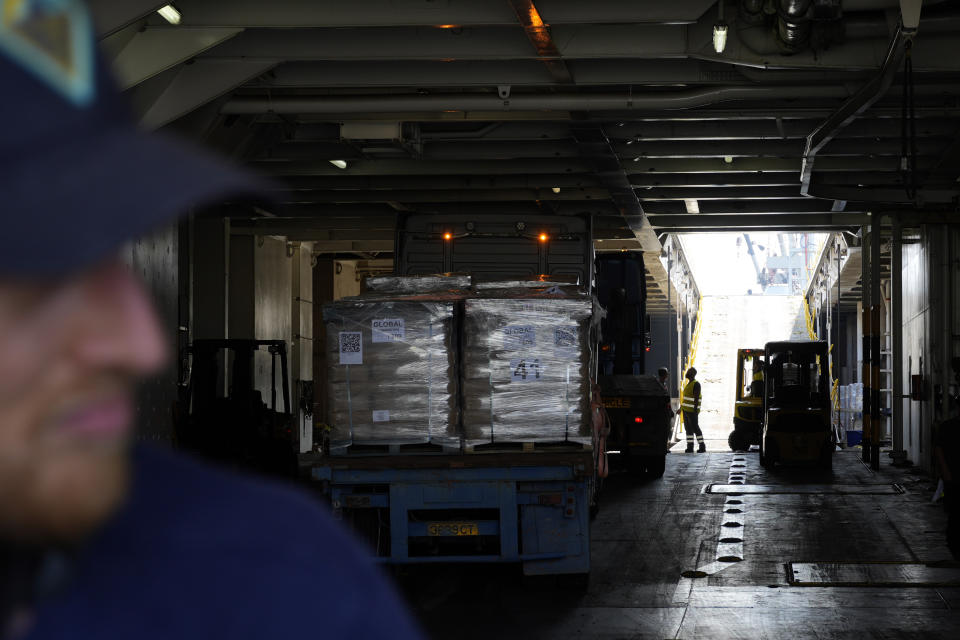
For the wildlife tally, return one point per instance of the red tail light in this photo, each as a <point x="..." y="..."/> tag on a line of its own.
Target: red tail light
<point x="638" y="419"/>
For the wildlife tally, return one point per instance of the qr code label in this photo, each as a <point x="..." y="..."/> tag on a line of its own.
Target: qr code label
<point x="351" y="347"/>
<point x="565" y="342"/>
<point x="525" y="370"/>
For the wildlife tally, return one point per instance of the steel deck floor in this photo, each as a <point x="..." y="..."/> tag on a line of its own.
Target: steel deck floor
<point x="648" y="533"/>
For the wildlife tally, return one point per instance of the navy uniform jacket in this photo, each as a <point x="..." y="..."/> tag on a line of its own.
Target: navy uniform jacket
<point x="203" y="553"/>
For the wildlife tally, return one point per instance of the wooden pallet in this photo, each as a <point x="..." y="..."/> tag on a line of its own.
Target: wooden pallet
<point x="526" y="447"/>
<point x="408" y="449"/>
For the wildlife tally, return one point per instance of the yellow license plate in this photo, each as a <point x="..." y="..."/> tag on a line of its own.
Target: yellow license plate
<point x="452" y="529"/>
<point x="616" y="403"/>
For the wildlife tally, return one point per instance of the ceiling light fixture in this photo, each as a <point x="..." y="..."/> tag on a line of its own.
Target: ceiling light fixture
<point x="555" y="189"/>
<point x="728" y="159"/>
<point x="339" y="164"/>
<point x="170" y="14"/>
<point x="692" y="205"/>
<point x="720" y="37"/>
<point x="720" y="30"/>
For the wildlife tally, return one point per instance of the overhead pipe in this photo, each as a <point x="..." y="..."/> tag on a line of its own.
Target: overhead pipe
<point x="476" y="134"/>
<point x="793" y="23"/>
<point x="524" y="102"/>
<point x="751" y="12"/>
<point x="852" y="108"/>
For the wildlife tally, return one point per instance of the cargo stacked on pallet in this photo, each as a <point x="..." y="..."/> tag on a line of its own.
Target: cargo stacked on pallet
<point x="392" y="373"/>
<point x="526" y="365"/>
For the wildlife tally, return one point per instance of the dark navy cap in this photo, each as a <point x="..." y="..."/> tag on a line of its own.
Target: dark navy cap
<point x="77" y="177"/>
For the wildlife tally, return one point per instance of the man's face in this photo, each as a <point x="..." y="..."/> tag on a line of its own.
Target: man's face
<point x="70" y="353"/>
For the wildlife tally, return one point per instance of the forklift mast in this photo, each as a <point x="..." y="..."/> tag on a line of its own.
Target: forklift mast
<point x="233" y="424"/>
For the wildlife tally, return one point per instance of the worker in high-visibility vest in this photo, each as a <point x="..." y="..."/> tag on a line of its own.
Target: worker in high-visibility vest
<point x="690" y="407"/>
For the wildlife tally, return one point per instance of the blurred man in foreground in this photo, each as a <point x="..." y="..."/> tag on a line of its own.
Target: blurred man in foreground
<point x="100" y="538"/>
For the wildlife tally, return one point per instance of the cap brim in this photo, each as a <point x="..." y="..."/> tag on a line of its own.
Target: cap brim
<point x="68" y="207"/>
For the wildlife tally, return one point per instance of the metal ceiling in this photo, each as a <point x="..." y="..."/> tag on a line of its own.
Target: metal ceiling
<point x="620" y="109"/>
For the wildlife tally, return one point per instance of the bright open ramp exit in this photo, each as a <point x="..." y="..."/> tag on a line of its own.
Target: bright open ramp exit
<point x="736" y="314"/>
<point x="731" y="323"/>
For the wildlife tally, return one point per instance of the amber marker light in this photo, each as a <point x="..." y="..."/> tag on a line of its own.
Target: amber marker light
<point x="543" y="237"/>
<point x="448" y="236"/>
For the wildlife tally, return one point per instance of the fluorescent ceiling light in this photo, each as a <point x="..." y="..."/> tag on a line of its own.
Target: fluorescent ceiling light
<point x="170" y="14"/>
<point x="692" y="205"/>
<point x="719" y="37"/>
<point x="339" y="164"/>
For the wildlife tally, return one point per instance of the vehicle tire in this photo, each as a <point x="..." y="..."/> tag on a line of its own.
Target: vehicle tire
<point x="738" y="441"/>
<point x="772" y="457"/>
<point x="656" y="465"/>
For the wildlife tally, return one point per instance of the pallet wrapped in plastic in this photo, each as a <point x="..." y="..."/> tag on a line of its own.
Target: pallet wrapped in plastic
<point x="391" y="368"/>
<point x="526" y="361"/>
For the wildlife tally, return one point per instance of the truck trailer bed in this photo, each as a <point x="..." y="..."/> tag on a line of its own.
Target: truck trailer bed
<point x="531" y="508"/>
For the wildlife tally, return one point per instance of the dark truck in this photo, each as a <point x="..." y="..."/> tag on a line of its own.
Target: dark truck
<point x="640" y="422"/>
<point x="637" y="406"/>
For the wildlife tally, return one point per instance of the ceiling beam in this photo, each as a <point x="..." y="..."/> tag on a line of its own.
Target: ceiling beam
<point x="287" y="14"/>
<point x="424" y="167"/>
<point x="447" y="195"/>
<point x="345" y="246"/>
<point x="540" y="103"/>
<point x="431" y="43"/>
<point x="111" y="16"/>
<point x="761" y="128"/>
<point x="791" y="192"/>
<point x="152" y="51"/>
<point x="745" y="207"/>
<point x="594" y="146"/>
<point x="194" y="85"/>
<point x="480" y="149"/>
<point x="390" y="183"/>
<point x="538" y="33"/>
<point x="816" y="220"/>
<point x="640" y="172"/>
<point x="491" y="73"/>
<point x="718" y="165"/>
<point x="288" y="226"/>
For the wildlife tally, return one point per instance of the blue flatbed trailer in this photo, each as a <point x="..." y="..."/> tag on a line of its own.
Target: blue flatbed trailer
<point x="531" y="508"/>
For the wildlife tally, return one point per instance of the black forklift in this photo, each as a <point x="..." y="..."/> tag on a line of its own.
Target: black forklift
<point x="637" y="405"/>
<point x="227" y="421"/>
<point x="796" y="419"/>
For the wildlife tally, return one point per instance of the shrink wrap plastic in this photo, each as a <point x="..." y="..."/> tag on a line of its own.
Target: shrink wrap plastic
<point x="526" y="358"/>
<point x="417" y="284"/>
<point x="392" y="373"/>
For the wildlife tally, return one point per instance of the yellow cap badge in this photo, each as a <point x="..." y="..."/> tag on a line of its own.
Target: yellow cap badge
<point x="53" y="40"/>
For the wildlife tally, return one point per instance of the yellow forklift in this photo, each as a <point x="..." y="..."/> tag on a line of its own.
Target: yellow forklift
<point x="796" y="423"/>
<point x="748" y="406"/>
